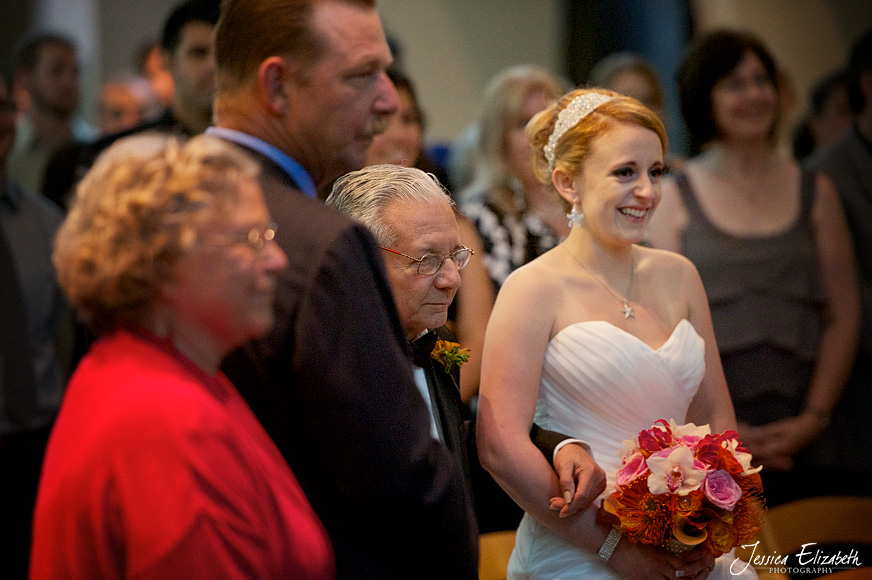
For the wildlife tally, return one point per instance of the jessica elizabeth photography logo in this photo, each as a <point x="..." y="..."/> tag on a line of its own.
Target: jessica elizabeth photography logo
<point x="809" y="560"/>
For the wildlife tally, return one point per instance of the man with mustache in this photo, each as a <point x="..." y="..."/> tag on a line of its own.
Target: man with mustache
<point x="302" y="85"/>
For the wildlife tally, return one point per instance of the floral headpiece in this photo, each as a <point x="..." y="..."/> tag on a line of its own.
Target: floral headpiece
<point x="579" y="108"/>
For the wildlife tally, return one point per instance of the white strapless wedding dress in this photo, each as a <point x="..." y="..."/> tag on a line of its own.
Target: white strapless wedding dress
<point x="604" y="385"/>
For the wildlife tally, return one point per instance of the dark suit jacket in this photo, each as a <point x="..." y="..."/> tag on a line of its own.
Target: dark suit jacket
<point x="494" y="509"/>
<point x="454" y="416"/>
<point x="334" y="388"/>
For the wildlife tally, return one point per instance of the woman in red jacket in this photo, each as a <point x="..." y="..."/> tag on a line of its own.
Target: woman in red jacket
<point x="156" y="467"/>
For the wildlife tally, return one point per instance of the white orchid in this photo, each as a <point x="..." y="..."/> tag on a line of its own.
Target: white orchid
<point x="689" y="433"/>
<point x="742" y="457"/>
<point x="630" y="447"/>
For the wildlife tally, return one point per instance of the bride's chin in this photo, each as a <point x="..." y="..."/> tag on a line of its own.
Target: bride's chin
<point x="637" y="235"/>
<point x="630" y="238"/>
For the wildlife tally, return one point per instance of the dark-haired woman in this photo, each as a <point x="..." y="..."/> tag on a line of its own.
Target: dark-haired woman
<point x="772" y="246"/>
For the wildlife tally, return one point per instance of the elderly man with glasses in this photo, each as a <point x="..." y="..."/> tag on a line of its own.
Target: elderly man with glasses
<point x="412" y="218"/>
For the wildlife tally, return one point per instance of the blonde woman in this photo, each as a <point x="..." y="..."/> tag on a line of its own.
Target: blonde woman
<point x="516" y="216"/>
<point x="156" y="467"/>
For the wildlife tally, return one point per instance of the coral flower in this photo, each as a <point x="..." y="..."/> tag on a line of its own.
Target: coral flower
<point x="721" y="538"/>
<point x="645" y="517"/>
<point x="675" y="471"/>
<point x="750" y="512"/>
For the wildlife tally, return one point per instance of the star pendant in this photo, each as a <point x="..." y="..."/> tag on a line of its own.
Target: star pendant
<point x="627" y="310"/>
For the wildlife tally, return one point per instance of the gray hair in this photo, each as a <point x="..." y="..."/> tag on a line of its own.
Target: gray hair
<point x="365" y="194"/>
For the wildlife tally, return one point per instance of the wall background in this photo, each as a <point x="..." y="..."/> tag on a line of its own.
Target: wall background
<point x="452" y="47"/>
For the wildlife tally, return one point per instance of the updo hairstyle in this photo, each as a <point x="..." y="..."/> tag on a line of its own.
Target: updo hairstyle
<point x="573" y="147"/>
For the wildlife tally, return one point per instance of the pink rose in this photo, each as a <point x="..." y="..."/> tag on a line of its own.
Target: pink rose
<point x="720" y="488"/>
<point x="634" y="466"/>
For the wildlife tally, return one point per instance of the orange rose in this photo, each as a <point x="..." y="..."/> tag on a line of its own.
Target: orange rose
<point x="449" y="353"/>
<point x="721" y="537"/>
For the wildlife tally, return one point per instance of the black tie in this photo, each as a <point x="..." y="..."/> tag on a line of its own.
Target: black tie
<point x="16" y="359"/>
<point x="422" y="347"/>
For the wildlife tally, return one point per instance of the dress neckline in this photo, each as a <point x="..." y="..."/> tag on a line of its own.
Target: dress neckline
<point x="683" y="180"/>
<point x="668" y="340"/>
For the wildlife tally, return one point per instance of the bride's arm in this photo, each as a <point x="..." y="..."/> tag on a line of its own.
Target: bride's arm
<point x="517" y="336"/>
<point x="712" y="403"/>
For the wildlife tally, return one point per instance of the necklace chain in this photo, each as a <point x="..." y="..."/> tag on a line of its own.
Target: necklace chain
<point x="627" y="310"/>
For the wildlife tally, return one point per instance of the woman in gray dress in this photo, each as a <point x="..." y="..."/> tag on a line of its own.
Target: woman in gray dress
<point x="772" y="246"/>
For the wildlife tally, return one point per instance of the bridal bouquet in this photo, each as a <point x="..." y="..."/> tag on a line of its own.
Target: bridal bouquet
<point x="682" y="486"/>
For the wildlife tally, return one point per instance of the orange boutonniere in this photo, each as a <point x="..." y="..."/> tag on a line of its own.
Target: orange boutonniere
<point x="448" y="354"/>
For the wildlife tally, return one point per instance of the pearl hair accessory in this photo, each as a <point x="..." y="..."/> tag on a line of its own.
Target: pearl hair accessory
<point x="579" y="108"/>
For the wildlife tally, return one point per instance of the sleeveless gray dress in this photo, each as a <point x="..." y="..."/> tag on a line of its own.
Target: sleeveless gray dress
<point x="766" y="301"/>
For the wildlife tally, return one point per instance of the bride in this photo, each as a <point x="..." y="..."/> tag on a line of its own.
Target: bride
<point x="599" y="338"/>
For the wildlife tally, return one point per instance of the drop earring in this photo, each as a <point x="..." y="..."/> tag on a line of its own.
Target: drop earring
<point x="574" y="217"/>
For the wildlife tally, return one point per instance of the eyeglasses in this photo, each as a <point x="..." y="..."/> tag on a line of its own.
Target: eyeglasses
<point x="431" y="263"/>
<point x="256" y="238"/>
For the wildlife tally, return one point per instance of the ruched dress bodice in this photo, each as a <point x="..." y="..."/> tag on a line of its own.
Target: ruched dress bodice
<point x="602" y="384"/>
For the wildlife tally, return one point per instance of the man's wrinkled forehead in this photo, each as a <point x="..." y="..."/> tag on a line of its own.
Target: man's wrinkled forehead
<point x="350" y="32"/>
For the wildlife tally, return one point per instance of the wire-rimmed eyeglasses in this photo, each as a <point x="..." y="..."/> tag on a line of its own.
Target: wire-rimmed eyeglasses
<point x="256" y="237"/>
<point x="431" y="263"/>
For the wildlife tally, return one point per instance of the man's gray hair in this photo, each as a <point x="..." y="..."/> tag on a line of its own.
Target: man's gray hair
<point x="365" y="194"/>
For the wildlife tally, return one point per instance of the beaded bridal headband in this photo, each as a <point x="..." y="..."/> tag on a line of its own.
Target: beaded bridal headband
<point x="579" y="108"/>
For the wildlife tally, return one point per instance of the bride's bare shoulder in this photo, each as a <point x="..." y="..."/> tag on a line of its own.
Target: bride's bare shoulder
<point x="659" y="259"/>
<point x="665" y="267"/>
<point x="541" y="279"/>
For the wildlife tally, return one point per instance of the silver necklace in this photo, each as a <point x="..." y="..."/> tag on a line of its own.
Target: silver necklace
<point x="627" y="310"/>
